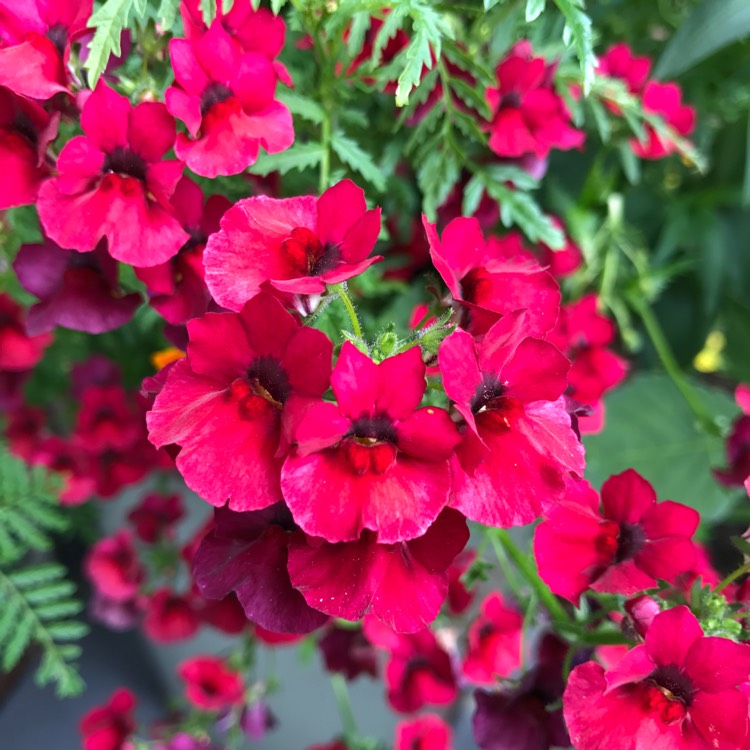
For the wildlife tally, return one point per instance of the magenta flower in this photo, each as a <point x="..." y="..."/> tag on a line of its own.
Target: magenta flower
<point x="155" y="516"/>
<point x="297" y="245"/>
<point x="374" y="460"/>
<point x="35" y="38"/>
<point x="25" y="132"/>
<point x="113" y="182"/>
<point x="487" y="281"/>
<point x="170" y="616"/>
<point x="113" y="567"/>
<point x="224" y="403"/>
<point x="620" y="62"/>
<point x="528" y="115"/>
<point x="18" y="350"/>
<point x="210" y="684"/>
<point x="679" y="691"/>
<point x="518" y="445"/>
<point x="665" y="100"/>
<point x="225" y="97"/>
<point x="109" y="727"/>
<point x="247" y="553"/>
<point x="75" y="290"/>
<point x="403" y="584"/>
<point x="107" y="420"/>
<point x="425" y="732"/>
<point x="737" y="471"/>
<point x="633" y="542"/>
<point x="177" y="289"/>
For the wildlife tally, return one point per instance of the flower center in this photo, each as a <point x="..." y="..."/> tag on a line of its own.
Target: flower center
<point x="269" y="380"/>
<point x="58" y="35"/>
<point x="669" y="693"/>
<point x="487" y="391"/>
<point x="629" y="542"/>
<point x="307" y="254"/>
<point x="23" y="125"/>
<point x="476" y="286"/>
<point x="511" y="99"/>
<point x="370" y="445"/>
<point x="125" y="162"/>
<point x="214" y="93"/>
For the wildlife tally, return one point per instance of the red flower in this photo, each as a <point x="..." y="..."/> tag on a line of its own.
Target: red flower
<point x="492" y="278"/>
<point x="347" y="651"/>
<point x="679" y="690"/>
<point x="665" y="100"/>
<point x="25" y="132"/>
<point x="155" y="516"/>
<point x="620" y="62"/>
<point x="107" y="420"/>
<point x="225" y="97"/>
<point x="210" y="684"/>
<point x="374" y="460"/>
<point x="460" y="597"/>
<point x="426" y="732"/>
<point x="624" y="549"/>
<point x="108" y="727"/>
<point x="224" y="403"/>
<point x="75" y="290"/>
<point x="113" y="567"/>
<point x="177" y="289"/>
<point x="528" y="115"/>
<point x="297" y="245"/>
<point x="35" y="38"/>
<point x="403" y="584"/>
<point x="18" y="351"/>
<point x="737" y="472"/>
<point x="564" y="261"/>
<point x="170" y="616"/>
<point x="247" y="553"/>
<point x="494" y="642"/>
<point x="113" y="183"/>
<point x="75" y="466"/>
<point x="518" y="445"/>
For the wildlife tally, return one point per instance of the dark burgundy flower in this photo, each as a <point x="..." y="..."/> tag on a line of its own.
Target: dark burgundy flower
<point x="18" y="350"/>
<point x="114" y="468"/>
<point x="624" y="548"/>
<point x="490" y="279"/>
<point x="680" y="690"/>
<point x="425" y="732"/>
<point x="75" y="290"/>
<point x="113" y="182"/>
<point x="347" y="651"/>
<point x="247" y="553"/>
<point x="110" y="726"/>
<point x="374" y="460"/>
<point x="403" y="584"/>
<point x="738" y="444"/>
<point x="23" y="431"/>
<point x="155" y="516"/>
<point x="113" y="567"/>
<point x="170" y="616"/>
<point x="25" y="132"/>
<point x="226" y="615"/>
<point x="224" y="403"/>
<point x="210" y="684"/>
<point x="297" y="245"/>
<point x="528" y="115"/>
<point x="96" y="370"/>
<point x="35" y="38"/>
<point x="107" y="420"/>
<point x="664" y="100"/>
<point x="225" y="97"/>
<point x="518" y="446"/>
<point x="177" y="288"/>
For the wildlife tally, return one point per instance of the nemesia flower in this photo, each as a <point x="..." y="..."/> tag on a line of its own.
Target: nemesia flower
<point x="564" y="261"/>
<point x="528" y="115"/>
<point x="108" y="727"/>
<point x="18" y="350"/>
<point x="23" y="431"/>
<point x="665" y="100"/>
<point x="75" y="290"/>
<point x="155" y="515"/>
<point x="113" y="567"/>
<point x="113" y="182"/>
<point x="210" y="684"/>
<point x="620" y="62"/>
<point x="459" y="596"/>
<point x="256" y="720"/>
<point x="680" y="689"/>
<point x="226" y="615"/>
<point x="347" y="651"/>
<point x="641" y="611"/>
<point x="107" y="420"/>
<point x="96" y="370"/>
<point x="177" y="289"/>
<point x="170" y="616"/>
<point x="426" y="732"/>
<point x="224" y="403"/>
<point x="114" y="468"/>
<point x="26" y="131"/>
<point x="419" y="670"/>
<point x="738" y="444"/>
<point x="494" y="642"/>
<point x="518" y="445"/>
<point x="296" y="245"/>
<point x="488" y="281"/>
<point x="374" y="460"/>
<point x="35" y="38"/>
<point x="247" y="553"/>
<point x="225" y="97"/>
<point x="633" y="542"/>
<point x="73" y="463"/>
<point x="403" y="584"/>
<point x="116" y="615"/>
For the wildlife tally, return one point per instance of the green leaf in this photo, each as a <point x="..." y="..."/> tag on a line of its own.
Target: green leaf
<point x="578" y="32"/>
<point x="277" y="5"/>
<point x="167" y="13"/>
<point x="437" y="175"/>
<point x="600" y="118"/>
<point x="391" y="24"/>
<point x="713" y="25"/>
<point x="651" y="429"/>
<point x="309" y="109"/>
<point x="357" y="31"/>
<point x="534" y="9"/>
<point x="299" y="156"/>
<point x="108" y="22"/>
<point x="208" y="11"/>
<point x="490" y="4"/>
<point x="631" y="164"/>
<point x="354" y="156"/>
<point x="417" y="56"/>
<point x="139" y="6"/>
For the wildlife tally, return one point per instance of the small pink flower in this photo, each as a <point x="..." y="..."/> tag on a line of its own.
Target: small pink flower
<point x="210" y="684"/>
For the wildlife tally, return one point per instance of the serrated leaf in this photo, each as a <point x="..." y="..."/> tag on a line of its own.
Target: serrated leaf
<point x="437" y="175"/>
<point x="108" y="22"/>
<point x="353" y="155"/>
<point x="631" y="164"/>
<point x="601" y="119"/>
<point x="392" y="22"/>
<point x="208" y="11"/>
<point x="277" y="5"/>
<point x="139" y="6"/>
<point x="417" y="56"/>
<point x="36" y="575"/>
<point x="471" y="96"/>
<point x="534" y="9"/>
<point x="578" y="31"/>
<point x="299" y="156"/>
<point x="301" y="106"/>
<point x="19" y="640"/>
<point x="49" y="592"/>
<point x="472" y="196"/>
<point x="168" y="13"/>
<point x="57" y="610"/>
<point x="67" y="630"/>
<point x="357" y="31"/>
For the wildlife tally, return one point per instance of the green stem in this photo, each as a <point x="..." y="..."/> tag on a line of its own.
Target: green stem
<point x="667" y="358"/>
<point x="340" y="289"/>
<point x="733" y="576"/>
<point x="528" y="569"/>
<point x="325" y="143"/>
<point x="344" y="705"/>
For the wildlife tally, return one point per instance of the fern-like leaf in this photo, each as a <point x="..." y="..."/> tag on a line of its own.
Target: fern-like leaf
<point x="108" y="22"/>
